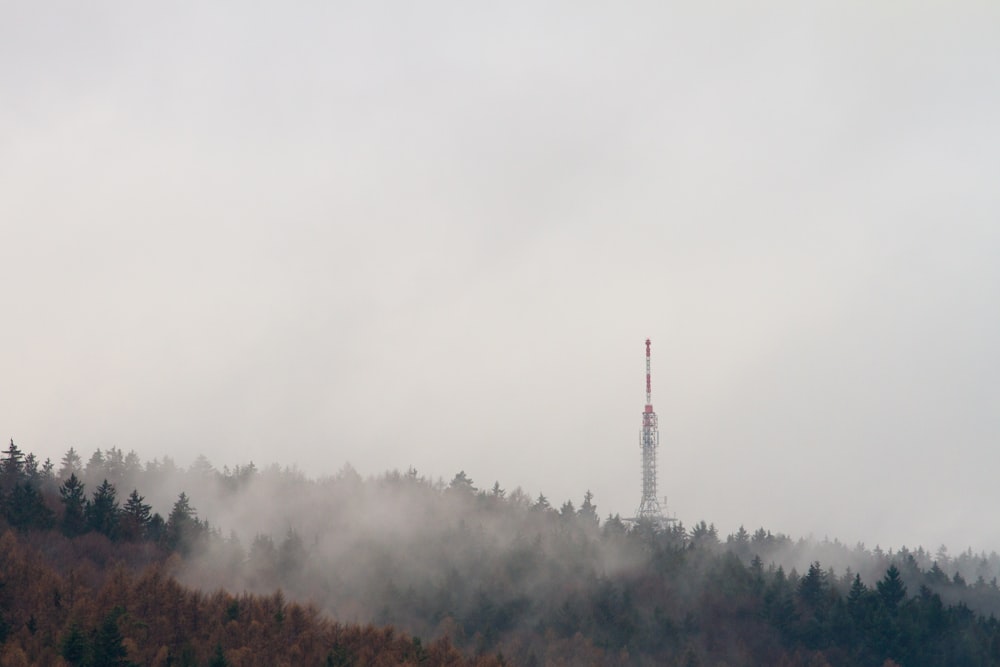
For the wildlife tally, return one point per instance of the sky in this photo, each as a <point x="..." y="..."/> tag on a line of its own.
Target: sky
<point x="437" y="235"/>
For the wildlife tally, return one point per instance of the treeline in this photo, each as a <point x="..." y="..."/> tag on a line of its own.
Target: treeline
<point x="115" y="617"/>
<point x="502" y="573"/>
<point x="87" y="581"/>
<point x="27" y="501"/>
<point x="497" y="573"/>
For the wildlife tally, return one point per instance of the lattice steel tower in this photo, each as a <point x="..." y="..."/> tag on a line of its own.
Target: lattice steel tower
<point x="649" y="440"/>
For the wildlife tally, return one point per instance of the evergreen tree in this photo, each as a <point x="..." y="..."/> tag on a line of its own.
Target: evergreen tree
<point x="103" y="512"/>
<point x="11" y="467"/>
<point x="132" y="466"/>
<point x="183" y="528"/>
<point x="779" y="607"/>
<point x="462" y="483"/>
<point x="13" y="460"/>
<point x="95" y="467"/>
<point x="291" y="554"/>
<point x="156" y="530"/>
<point x="108" y="647"/>
<point x="135" y="517"/>
<point x="47" y="475"/>
<point x="71" y="464"/>
<point x="262" y="561"/>
<point x="114" y="464"/>
<point x="704" y="535"/>
<point x="588" y="510"/>
<point x="71" y="494"/>
<point x="218" y="658"/>
<point x="856" y="596"/>
<point x="26" y="509"/>
<point x="614" y="525"/>
<point x="891" y="589"/>
<point x="542" y="504"/>
<point x="31" y="471"/>
<point x="74" y="646"/>
<point x="813" y="586"/>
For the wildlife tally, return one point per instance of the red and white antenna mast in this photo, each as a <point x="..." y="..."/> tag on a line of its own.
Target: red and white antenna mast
<point x="649" y="441"/>
<point x="649" y="384"/>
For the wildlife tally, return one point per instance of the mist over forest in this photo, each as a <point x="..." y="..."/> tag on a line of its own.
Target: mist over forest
<point x="318" y="235"/>
<point x="480" y="572"/>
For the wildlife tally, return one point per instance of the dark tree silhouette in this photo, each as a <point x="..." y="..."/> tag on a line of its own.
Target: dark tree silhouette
<point x="71" y="492"/>
<point x="102" y="511"/>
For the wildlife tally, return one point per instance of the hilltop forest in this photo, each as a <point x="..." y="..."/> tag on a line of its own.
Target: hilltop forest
<point x="114" y="561"/>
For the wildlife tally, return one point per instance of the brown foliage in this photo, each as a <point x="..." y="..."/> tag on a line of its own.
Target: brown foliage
<point x="163" y="620"/>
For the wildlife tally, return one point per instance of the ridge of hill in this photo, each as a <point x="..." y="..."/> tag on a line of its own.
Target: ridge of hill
<point x="494" y="575"/>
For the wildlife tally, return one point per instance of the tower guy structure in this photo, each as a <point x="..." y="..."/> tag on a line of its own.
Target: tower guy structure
<point x="649" y="440"/>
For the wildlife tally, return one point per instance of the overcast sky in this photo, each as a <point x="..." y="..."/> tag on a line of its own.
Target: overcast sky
<point x="437" y="234"/>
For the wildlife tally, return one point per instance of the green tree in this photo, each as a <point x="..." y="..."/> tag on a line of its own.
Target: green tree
<point x="103" y="512"/>
<point x="11" y="467"/>
<point x="856" y="598"/>
<point x="813" y="586"/>
<point x="30" y="470"/>
<point x="74" y="521"/>
<point x="183" y="528"/>
<point x="13" y="459"/>
<point x="891" y="589"/>
<point x="46" y="476"/>
<point x="26" y="509"/>
<point x="108" y="646"/>
<point x="218" y="658"/>
<point x="813" y="594"/>
<point x="135" y="517"/>
<point x="74" y="647"/>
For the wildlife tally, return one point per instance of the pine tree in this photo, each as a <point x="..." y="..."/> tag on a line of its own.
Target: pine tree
<point x="135" y="517"/>
<point x="74" y="646"/>
<point x="891" y="589"/>
<point x="109" y="649"/>
<point x="31" y="471"/>
<point x="813" y="586"/>
<point x="11" y="467"/>
<point x="856" y="596"/>
<point x="542" y="504"/>
<point x="567" y="511"/>
<point x="71" y="464"/>
<point x="183" y="528"/>
<point x="462" y="483"/>
<point x="13" y="460"/>
<point x="47" y="475"/>
<point x="218" y="658"/>
<point x="95" y="467"/>
<point x="291" y="554"/>
<point x="71" y="494"/>
<point x="103" y="512"/>
<point x="588" y="510"/>
<point x="26" y="509"/>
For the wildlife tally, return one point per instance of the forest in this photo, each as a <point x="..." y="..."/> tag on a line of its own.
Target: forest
<point x="115" y="561"/>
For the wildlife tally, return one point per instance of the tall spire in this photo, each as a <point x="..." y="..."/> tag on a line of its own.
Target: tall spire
<point x="649" y="384"/>
<point x="649" y="440"/>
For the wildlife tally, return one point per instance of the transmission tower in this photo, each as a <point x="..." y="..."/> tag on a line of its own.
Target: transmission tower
<point x="649" y="440"/>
